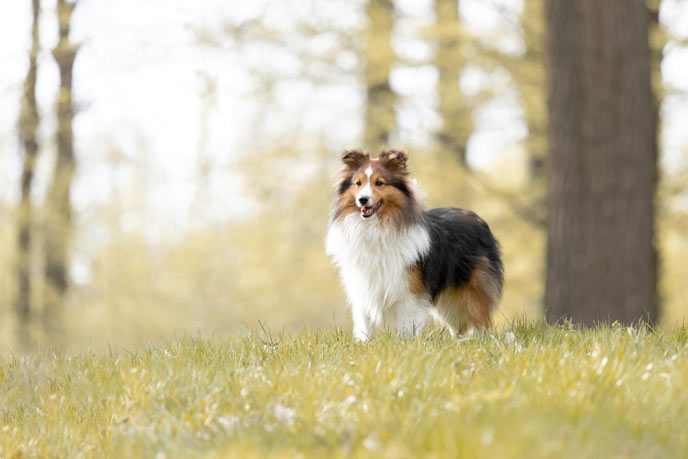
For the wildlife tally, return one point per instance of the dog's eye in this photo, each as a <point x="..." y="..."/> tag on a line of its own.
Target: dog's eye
<point x="378" y="183"/>
<point x="358" y="183"/>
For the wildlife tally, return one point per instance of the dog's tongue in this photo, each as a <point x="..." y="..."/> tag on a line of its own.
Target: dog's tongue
<point x="366" y="210"/>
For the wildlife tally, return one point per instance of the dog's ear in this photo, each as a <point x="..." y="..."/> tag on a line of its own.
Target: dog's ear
<point x="394" y="160"/>
<point x="353" y="159"/>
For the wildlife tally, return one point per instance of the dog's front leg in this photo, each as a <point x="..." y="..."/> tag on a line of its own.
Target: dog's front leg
<point x="362" y="328"/>
<point x="411" y="318"/>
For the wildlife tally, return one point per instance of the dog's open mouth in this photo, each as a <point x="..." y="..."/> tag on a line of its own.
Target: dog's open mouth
<point x="369" y="211"/>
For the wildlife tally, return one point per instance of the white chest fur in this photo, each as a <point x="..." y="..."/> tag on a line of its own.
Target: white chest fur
<point x="373" y="262"/>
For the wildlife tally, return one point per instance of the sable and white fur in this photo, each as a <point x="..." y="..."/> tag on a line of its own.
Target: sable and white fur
<point x="373" y="261"/>
<point x="399" y="263"/>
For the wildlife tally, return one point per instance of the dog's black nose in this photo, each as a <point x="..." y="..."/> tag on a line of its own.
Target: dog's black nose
<point x="363" y="200"/>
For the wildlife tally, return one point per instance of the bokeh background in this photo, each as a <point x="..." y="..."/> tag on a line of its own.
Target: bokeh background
<point x="207" y="134"/>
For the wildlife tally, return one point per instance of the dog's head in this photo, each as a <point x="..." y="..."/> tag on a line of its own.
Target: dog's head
<point x="376" y="188"/>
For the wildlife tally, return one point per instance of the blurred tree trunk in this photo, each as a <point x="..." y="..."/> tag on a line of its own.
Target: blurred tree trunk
<point x="28" y="131"/>
<point x="380" y="116"/>
<point x="58" y="220"/>
<point x="532" y="86"/>
<point x="601" y="261"/>
<point x="457" y="124"/>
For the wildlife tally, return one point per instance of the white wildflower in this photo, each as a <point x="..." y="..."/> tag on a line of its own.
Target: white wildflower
<point x="488" y="436"/>
<point x="372" y="443"/>
<point x="284" y="413"/>
<point x="228" y="422"/>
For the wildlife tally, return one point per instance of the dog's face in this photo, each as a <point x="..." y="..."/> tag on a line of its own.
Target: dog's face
<point x="374" y="187"/>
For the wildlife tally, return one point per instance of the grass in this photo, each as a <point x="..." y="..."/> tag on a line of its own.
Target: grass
<point x="525" y="391"/>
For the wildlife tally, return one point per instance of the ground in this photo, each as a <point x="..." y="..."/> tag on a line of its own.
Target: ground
<point x="526" y="390"/>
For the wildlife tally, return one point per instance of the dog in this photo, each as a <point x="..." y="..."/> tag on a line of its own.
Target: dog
<point x="400" y="263"/>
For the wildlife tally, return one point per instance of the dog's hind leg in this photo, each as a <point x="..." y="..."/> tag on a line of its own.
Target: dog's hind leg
<point x="475" y="308"/>
<point x="481" y="295"/>
<point x="448" y="311"/>
<point x="472" y="304"/>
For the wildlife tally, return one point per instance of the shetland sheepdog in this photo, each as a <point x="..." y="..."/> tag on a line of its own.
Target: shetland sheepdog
<point x="400" y="263"/>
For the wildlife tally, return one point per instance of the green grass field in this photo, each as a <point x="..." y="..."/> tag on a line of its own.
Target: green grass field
<point x="525" y="391"/>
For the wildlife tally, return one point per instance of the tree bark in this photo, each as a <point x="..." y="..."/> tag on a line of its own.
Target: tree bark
<point x="28" y="132"/>
<point x="380" y="115"/>
<point x="58" y="218"/>
<point x="601" y="260"/>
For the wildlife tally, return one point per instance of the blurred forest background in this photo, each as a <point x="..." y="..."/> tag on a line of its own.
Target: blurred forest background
<point x="168" y="165"/>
